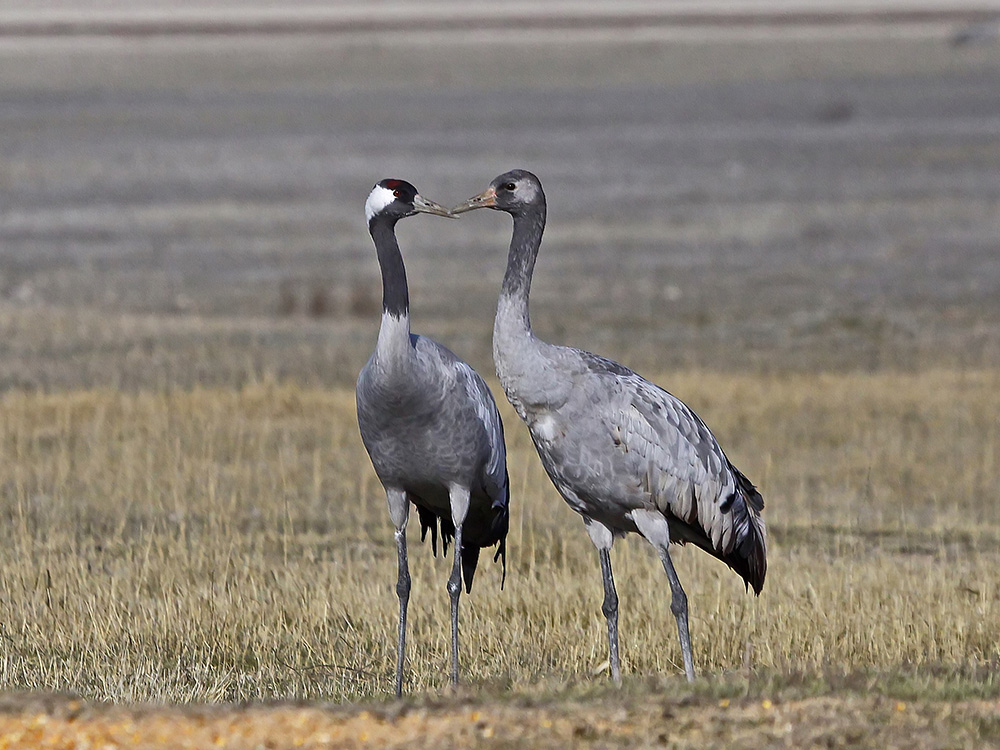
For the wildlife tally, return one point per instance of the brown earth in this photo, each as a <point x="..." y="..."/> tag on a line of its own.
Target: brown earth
<point x="58" y="722"/>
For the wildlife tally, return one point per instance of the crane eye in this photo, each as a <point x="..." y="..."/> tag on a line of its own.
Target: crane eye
<point x="510" y="186"/>
<point x="397" y="193"/>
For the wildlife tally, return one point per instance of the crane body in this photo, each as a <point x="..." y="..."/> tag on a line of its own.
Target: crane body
<point x="625" y="454"/>
<point x="430" y="426"/>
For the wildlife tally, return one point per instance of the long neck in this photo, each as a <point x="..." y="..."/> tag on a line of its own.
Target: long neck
<point x="512" y="309"/>
<point x="394" y="333"/>
<point x="395" y="295"/>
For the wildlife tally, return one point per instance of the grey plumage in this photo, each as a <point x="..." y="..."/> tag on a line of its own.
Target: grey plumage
<point x="625" y="454"/>
<point x="430" y="426"/>
<point x="429" y="423"/>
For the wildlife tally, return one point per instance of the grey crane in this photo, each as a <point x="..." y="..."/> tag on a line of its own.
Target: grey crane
<point x="430" y="426"/>
<point x="624" y="454"/>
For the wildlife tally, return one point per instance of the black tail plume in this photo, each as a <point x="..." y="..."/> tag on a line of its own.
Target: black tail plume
<point x="749" y="558"/>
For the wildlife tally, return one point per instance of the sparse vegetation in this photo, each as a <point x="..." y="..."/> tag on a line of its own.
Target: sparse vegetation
<point x="233" y="545"/>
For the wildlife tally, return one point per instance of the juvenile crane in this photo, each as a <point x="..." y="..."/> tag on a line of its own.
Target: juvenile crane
<point x="625" y="454"/>
<point x="430" y="426"/>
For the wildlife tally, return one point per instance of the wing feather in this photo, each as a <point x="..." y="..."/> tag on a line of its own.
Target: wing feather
<point x="468" y="409"/>
<point x="485" y="407"/>
<point x="463" y="380"/>
<point x="683" y="468"/>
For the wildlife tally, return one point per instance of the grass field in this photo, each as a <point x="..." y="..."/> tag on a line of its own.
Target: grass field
<point x="220" y="545"/>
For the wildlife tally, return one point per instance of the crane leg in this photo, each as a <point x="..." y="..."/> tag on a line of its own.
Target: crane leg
<point x="399" y="511"/>
<point x="610" y="610"/>
<point x="602" y="538"/>
<point x="459" y="497"/>
<point x="654" y="527"/>
<point x="679" y="606"/>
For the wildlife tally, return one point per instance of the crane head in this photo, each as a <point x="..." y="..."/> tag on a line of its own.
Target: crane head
<point x="512" y="192"/>
<point x="396" y="199"/>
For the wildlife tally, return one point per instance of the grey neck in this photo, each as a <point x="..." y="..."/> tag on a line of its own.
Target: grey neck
<point x="524" y="244"/>
<point x="395" y="295"/>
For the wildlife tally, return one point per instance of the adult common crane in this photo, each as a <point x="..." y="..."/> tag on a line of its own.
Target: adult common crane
<point x="625" y="454"/>
<point x="430" y="426"/>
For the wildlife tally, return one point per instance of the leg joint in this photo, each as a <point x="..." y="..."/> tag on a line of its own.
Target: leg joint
<point x="678" y="602"/>
<point x="610" y="606"/>
<point x="403" y="588"/>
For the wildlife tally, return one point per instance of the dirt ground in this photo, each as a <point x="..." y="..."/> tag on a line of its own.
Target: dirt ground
<point x="653" y="721"/>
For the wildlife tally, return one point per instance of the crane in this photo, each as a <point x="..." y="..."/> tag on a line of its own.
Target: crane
<point x="625" y="454"/>
<point x="430" y="426"/>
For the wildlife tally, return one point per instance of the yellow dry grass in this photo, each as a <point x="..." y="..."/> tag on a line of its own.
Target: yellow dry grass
<point x="210" y="545"/>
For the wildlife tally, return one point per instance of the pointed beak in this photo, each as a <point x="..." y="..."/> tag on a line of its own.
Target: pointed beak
<point x="486" y="199"/>
<point x="424" y="206"/>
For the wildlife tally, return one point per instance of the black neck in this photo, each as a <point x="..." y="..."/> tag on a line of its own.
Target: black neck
<point x="395" y="296"/>
<point x="524" y="244"/>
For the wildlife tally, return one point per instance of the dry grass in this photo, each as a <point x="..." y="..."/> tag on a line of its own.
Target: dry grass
<point x="215" y="545"/>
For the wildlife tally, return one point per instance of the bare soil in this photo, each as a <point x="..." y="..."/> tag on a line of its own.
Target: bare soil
<point x="651" y="721"/>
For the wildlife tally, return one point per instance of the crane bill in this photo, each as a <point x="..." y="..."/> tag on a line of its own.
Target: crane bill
<point x="486" y="199"/>
<point x="425" y="206"/>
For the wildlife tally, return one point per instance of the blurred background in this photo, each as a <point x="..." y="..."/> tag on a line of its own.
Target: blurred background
<point x="762" y="186"/>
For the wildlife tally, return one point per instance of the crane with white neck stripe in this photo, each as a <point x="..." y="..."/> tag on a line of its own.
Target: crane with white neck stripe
<point x="430" y="426"/>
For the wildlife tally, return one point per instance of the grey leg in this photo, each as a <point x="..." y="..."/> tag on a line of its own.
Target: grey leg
<point x="610" y="609"/>
<point x="399" y="510"/>
<point x="654" y="527"/>
<point x="679" y="606"/>
<point x="459" y="497"/>
<point x="455" y="591"/>
<point x="403" y="592"/>
<point x="602" y="538"/>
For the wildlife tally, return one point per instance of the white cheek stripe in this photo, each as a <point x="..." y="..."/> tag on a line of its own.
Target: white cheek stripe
<point x="378" y="199"/>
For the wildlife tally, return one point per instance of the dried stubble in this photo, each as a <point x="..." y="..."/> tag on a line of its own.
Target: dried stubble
<point x="231" y="545"/>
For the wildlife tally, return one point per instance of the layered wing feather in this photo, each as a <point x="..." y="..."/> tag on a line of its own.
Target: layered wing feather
<point x="674" y="460"/>
<point x="474" y="420"/>
<point x="494" y="470"/>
